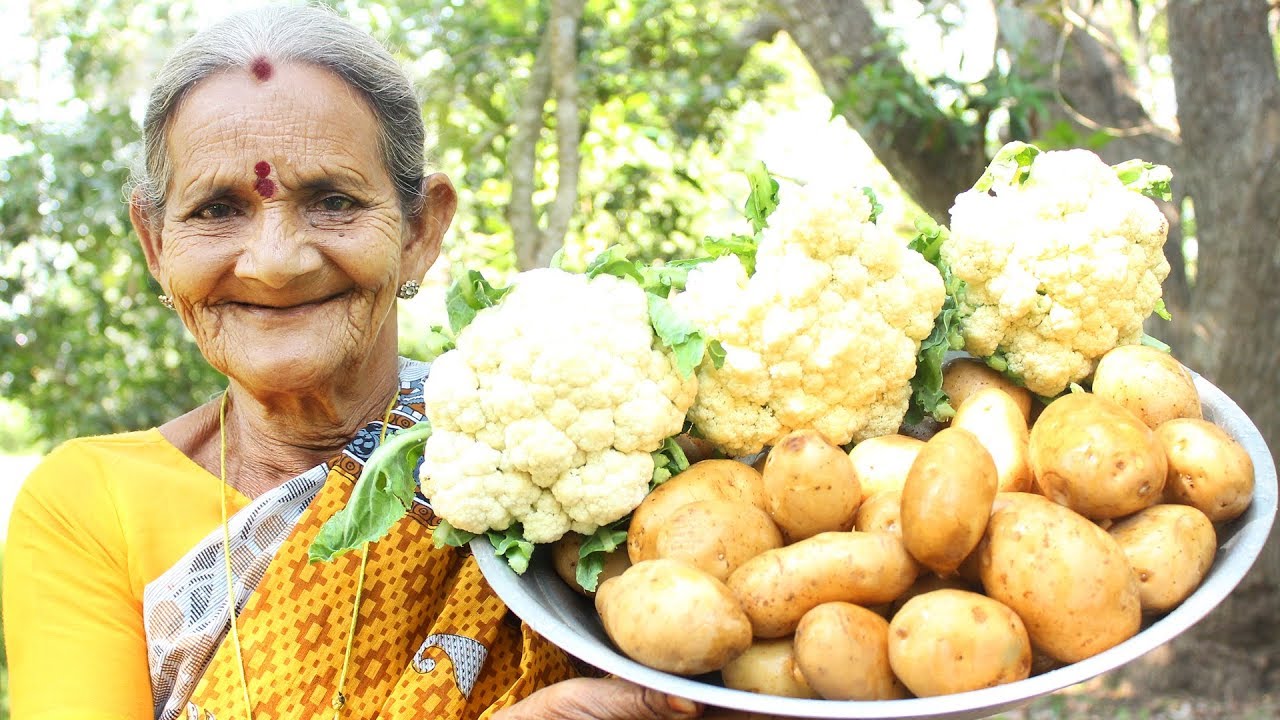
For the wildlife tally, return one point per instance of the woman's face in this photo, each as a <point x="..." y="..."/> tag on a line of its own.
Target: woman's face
<point x="282" y="241"/>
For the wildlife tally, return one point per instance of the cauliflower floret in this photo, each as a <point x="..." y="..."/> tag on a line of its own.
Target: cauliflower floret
<point x="1059" y="269"/>
<point x="824" y="335"/>
<point x="548" y="409"/>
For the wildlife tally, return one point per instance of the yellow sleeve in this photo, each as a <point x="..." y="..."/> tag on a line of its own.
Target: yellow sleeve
<point x="72" y="622"/>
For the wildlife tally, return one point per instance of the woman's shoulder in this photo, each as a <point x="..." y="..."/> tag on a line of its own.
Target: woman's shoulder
<point x="87" y="466"/>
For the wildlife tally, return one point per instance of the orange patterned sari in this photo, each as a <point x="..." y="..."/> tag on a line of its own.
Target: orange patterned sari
<point x="433" y="641"/>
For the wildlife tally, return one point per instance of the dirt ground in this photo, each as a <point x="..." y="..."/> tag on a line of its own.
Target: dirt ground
<point x="1095" y="701"/>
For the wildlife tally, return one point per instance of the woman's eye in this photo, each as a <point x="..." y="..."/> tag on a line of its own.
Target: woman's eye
<point x="215" y="211"/>
<point x="337" y="203"/>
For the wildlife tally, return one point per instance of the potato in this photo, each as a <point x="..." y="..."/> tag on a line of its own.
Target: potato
<point x="881" y="513"/>
<point x="1147" y="382"/>
<point x="950" y="641"/>
<point x="842" y="651"/>
<point x="963" y="377"/>
<point x="998" y="423"/>
<point x="1170" y="548"/>
<point x="707" y="480"/>
<point x="881" y="463"/>
<point x="1065" y="577"/>
<point x="767" y="667"/>
<point x="1095" y="457"/>
<point x="810" y="486"/>
<point x="716" y="536"/>
<point x="673" y="617"/>
<point x="1208" y="469"/>
<point x="564" y="556"/>
<point x="947" y="500"/>
<point x="777" y="587"/>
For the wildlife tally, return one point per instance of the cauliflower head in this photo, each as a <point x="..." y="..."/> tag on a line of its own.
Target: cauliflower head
<point x="1059" y="269"/>
<point x="548" y="408"/>
<point x="824" y="334"/>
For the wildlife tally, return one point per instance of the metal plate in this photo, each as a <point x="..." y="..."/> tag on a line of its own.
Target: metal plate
<point x="569" y="620"/>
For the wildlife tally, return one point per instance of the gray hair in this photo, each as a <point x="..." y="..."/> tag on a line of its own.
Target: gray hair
<point x="279" y="34"/>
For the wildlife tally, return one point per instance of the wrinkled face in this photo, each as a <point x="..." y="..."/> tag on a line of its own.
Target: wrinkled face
<point x="283" y="241"/>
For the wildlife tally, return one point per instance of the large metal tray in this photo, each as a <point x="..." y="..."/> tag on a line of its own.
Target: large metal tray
<point x="569" y="620"/>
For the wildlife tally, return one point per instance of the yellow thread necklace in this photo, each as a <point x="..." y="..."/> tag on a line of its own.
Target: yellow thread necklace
<point x="339" y="699"/>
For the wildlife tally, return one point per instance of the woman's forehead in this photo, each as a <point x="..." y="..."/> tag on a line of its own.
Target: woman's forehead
<point x="292" y="116"/>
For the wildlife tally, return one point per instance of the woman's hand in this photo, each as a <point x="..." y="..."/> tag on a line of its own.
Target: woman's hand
<point x="603" y="699"/>
<point x="611" y="699"/>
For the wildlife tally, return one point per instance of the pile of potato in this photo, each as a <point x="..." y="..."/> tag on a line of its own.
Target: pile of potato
<point x="995" y="548"/>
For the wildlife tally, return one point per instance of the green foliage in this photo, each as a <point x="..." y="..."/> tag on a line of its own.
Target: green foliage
<point x="17" y="436"/>
<point x="86" y="347"/>
<point x="927" y="395"/>
<point x="382" y="495"/>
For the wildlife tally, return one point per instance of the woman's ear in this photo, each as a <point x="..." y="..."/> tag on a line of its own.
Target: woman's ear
<point x="427" y="227"/>
<point x="147" y="226"/>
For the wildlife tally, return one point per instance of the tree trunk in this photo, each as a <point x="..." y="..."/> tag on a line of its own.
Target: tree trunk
<point x="928" y="154"/>
<point x="555" y="70"/>
<point x="1228" y="95"/>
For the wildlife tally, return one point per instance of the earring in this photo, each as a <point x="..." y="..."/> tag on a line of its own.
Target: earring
<point x="407" y="290"/>
<point x="165" y="300"/>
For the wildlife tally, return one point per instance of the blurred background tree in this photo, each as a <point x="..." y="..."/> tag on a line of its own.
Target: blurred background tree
<point x="584" y="123"/>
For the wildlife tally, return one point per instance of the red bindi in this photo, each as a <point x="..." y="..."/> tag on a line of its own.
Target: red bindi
<point x="261" y="69"/>
<point x="265" y="187"/>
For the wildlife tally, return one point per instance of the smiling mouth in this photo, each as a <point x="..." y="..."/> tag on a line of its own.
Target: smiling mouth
<point x="288" y="309"/>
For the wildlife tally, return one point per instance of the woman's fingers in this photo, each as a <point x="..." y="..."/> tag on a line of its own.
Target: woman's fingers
<point x="605" y="699"/>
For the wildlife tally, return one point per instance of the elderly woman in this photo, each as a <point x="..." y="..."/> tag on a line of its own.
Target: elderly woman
<point x="164" y="573"/>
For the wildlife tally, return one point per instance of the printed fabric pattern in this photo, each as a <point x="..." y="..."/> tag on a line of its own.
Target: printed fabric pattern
<point x="432" y="640"/>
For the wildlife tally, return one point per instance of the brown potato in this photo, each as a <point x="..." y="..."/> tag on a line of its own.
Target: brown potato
<point x="951" y="641"/>
<point x="963" y="377"/>
<point x="1170" y="548"/>
<point x="947" y="500"/>
<point x="998" y="423"/>
<point x="767" y="667"/>
<point x="777" y="587"/>
<point x="842" y="650"/>
<point x="881" y="513"/>
<point x="716" y="536"/>
<point x="673" y="617"/>
<point x="564" y="556"/>
<point x="1065" y="577"/>
<point x="881" y="463"/>
<point x="810" y="486"/>
<point x="1095" y="457"/>
<point x="1208" y="469"/>
<point x="707" y="480"/>
<point x="1147" y="382"/>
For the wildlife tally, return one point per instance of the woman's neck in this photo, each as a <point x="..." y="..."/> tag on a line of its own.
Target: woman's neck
<point x="272" y="437"/>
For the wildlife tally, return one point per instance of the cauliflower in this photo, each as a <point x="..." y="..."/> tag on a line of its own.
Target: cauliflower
<point x="546" y="412"/>
<point x="1059" y="268"/>
<point x="823" y="335"/>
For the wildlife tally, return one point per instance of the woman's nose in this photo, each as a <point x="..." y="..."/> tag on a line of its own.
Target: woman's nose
<point x="278" y="252"/>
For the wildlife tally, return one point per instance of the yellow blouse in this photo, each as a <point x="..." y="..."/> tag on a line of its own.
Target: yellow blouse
<point x="96" y="521"/>
<point x="102" y="518"/>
